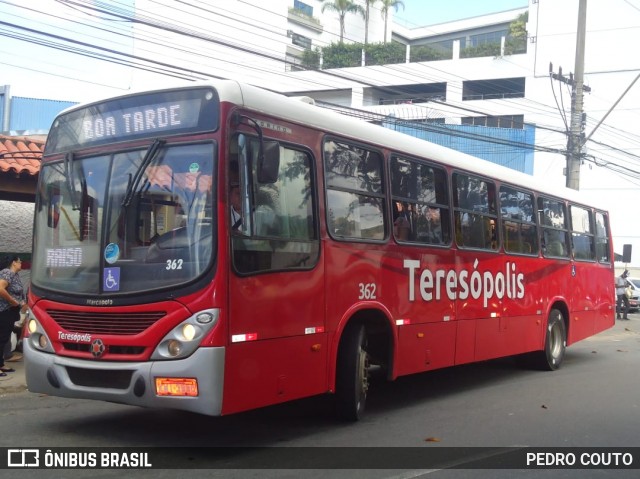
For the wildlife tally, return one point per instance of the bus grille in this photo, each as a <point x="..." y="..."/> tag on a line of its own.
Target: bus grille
<point x="105" y="323"/>
<point x="86" y="348"/>
<point x="99" y="378"/>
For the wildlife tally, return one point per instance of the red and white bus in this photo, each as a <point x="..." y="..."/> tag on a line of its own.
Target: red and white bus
<point x="351" y="246"/>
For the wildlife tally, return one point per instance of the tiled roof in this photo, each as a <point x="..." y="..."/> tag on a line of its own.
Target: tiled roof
<point x="20" y="154"/>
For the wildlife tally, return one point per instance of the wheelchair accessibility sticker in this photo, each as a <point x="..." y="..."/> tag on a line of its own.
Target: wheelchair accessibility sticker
<point x="111" y="279"/>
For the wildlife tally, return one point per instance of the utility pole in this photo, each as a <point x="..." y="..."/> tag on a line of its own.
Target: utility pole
<point x="575" y="141"/>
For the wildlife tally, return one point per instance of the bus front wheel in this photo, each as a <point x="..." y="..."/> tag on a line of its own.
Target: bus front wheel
<point x="352" y="374"/>
<point x="555" y="343"/>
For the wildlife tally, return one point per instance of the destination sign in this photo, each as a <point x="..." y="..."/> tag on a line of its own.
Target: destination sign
<point x="134" y="117"/>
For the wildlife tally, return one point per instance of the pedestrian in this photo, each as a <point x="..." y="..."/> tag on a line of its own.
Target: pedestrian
<point x="623" y="301"/>
<point x="12" y="301"/>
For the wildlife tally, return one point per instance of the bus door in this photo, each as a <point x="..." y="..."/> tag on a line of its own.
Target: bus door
<point x="583" y="298"/>
<point x="277" y="346"/>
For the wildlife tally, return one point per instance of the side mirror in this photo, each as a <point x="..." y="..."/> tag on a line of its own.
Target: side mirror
<point x="269" y="162"/>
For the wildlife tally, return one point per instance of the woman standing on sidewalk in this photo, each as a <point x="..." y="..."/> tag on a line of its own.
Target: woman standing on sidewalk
<point x="11" y="302"/>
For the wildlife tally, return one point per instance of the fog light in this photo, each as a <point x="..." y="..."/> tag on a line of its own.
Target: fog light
<point x="189" y="332"/>
<point x="174" y="347"/>
<point x="33" y="326"/>
<point x="42" y="341"/>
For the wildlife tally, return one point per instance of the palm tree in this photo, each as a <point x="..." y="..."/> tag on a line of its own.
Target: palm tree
<point x="386" y="5"/>
<point x="368" y="3"/>
<point x="342" y="7"/>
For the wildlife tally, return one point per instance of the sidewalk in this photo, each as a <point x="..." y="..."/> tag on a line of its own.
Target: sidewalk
<point x="13" y="382"/>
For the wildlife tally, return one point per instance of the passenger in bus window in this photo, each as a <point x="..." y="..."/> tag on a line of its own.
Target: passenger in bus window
<point x="429" y="228"/>
<point x="236" y="208"/>
<point x="402" y="223"/>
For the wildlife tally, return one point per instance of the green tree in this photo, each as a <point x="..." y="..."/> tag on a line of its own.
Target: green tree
<point x="311" y="58"/>
<point x="386" y="5"/>
<point x="341" y="55"/>
<point x="342" y="7"/>
<point x="384" y="53"/>
<point x="425" y="53"/>
<point x="517" y="40"/>
<point x="368" y="4"/>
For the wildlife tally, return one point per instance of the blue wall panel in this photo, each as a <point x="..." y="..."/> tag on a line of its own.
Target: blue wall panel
<point x="512" y="148"/>
<point x="32" y="114"/>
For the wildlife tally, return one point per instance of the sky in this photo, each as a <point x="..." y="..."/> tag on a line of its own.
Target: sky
<point x="431" y="12"/>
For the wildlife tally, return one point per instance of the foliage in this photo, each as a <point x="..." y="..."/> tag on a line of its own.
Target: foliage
<point x="342" y="55"/>
<point x="311" y="59"/>
<point x="299" y="13"/>
<point x="425" y="53"/>
<point x="384" y="10"/>
<point x="342" y="7"/>
<point x="517" y="40"/>
<point x="484" y="50"/>
<point x="384" y="53"/>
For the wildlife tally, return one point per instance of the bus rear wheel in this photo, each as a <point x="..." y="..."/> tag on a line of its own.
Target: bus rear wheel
<point x="555" y="343"/>
<point x="352" y="374"/>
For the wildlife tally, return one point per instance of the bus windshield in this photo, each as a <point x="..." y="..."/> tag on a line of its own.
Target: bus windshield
<point x="125" y="222"/>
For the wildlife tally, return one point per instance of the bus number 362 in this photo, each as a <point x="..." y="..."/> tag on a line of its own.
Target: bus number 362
<point x="367" y="291"/>
<point x="174" y="264"/>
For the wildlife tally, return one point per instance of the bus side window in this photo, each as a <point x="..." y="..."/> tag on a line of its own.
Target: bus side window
<point x="519" y="229"/>
<point x="602" y="238"/>
<point x="420" y="199"/>
<point x="281" y="228"/>
<point x="553" y="221"/>
<point x="582" y="233"/>
<point x="475" y="212"/>
<point x="355" y="193"/>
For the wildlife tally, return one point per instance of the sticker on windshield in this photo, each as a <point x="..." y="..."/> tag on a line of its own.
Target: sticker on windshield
<point x="111" y="253"/>
<point x="194" y="168"/>
<point x="111" y="279"/>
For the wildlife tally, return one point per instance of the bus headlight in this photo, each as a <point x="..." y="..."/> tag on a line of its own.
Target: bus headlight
<point x="185" y="338"/>
<point x="38" y="339"/>
<point x="189" y="331"/>
<point x="33" y="326"/>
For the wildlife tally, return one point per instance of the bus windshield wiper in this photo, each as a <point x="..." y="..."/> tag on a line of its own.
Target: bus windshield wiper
<point x="149" y="156"/>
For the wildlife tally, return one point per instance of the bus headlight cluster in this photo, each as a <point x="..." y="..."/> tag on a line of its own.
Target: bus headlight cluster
<point x="38" y="339"/>
<point x="185" y="338"/>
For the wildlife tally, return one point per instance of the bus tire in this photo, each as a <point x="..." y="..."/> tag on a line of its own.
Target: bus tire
<point x="352" y="373"/>
<point x="555" y="343"/>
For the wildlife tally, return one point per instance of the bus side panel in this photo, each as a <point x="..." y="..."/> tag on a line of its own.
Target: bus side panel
<point x="466" y="342"/>
<point x="583" y="300"/>
<point x="426" y="346"/>
<point x="592" y="301"/>
<point x="515" y="335"/>
<point x="261" y="373"/>
<point x="276" y="305"/>
<point x="605" y="299"/>
<point x="504" y="319"/>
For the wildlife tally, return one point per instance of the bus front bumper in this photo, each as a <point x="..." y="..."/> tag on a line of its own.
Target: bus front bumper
<point x="128" y="382"/>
